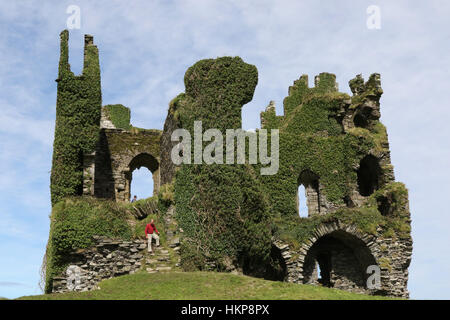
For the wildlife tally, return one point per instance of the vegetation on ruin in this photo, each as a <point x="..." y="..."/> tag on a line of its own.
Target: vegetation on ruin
<point x="228" y="213"/>
<point x="78" y="112"/>
<point x="312" y="138"/>
<point x="119" y="115"/>
<point x="75" y="220"/>
<point x="148" y="140"/>
<point x="368" y="219"/>
<point x="221" y="208"/>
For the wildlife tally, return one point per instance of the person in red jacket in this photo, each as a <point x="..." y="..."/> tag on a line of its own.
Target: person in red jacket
<point x="151" y="233"/>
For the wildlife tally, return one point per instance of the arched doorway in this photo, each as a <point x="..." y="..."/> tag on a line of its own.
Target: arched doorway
<point x="141" y="184"/>
<point x="143" y="167"/>
<point x="339" y="260"/>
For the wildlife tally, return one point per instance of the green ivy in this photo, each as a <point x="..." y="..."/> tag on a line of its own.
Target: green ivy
<point x="78" y="112"/>
<point x="312" y="138"/>
<point x="221" y="208"/>
<point x="74" y="221"/>
<point x="119" y="115"/>
<point x="367" y="219"/>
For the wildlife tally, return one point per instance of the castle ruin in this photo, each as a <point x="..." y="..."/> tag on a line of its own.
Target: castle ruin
<point x="233" y="219"/>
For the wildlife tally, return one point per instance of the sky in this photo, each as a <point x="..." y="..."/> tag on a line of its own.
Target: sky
<point x="146" y="47"/>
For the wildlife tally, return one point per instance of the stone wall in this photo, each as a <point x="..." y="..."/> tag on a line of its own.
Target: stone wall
<point x="108" y="172"/>
<point x="351" y="253"/>
<point x="106" y="259"/>
<point x="167" y="165"/>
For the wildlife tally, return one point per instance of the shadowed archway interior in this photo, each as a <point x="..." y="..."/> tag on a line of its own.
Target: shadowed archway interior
<point x="342" y="259"/>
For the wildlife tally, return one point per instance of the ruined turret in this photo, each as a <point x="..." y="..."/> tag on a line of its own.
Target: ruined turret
<point x="78" y="111"/>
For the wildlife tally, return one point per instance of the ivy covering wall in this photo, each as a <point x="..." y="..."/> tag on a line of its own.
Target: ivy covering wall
<point x="314" y="137"/>
<point x="221" y="208"/>
<point x="74" y="221"/>
<point x="78" y="112"/>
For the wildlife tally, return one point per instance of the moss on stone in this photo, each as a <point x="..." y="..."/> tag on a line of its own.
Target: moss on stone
<point x="134" y="140"/>
<point x="367" y="219"/>
<point x="385" y="263"/>
<point x="76" y="220"/>
<point x="119" y="115"/>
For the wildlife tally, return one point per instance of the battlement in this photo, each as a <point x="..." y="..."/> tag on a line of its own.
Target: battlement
<point x="91" y="66"/>
<point x="371" y="87"/>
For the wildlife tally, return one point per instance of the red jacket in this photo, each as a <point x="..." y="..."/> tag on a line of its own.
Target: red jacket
<point x="149" y="229"/>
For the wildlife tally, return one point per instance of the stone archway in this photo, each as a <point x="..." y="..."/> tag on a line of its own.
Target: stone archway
<point x="342" y="259"/>
<point x="141" y="160"/>
<point x="334" y="247"/>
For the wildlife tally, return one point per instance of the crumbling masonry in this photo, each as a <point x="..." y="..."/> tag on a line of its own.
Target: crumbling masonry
<point x="234" y="219"/>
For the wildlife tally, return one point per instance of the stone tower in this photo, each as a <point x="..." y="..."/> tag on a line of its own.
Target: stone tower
<point x="78" y="111"/>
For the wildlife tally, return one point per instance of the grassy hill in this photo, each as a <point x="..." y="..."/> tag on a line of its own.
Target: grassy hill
<point x="202" y="286"/>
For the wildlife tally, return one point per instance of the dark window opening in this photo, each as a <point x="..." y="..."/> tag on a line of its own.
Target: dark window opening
<point x="324" y="268"/>
<point x="362" y="117"/>
<point x="360" y="121"/>
<point x="384" y="205"/>
<point x="338" y="260"/>
<point x="368" y="175"/>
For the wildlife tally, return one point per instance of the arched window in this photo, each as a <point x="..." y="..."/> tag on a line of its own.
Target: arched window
<point x="308" y="195"/>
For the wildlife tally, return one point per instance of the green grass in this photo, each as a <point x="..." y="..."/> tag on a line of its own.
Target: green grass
<point x="202" y="286"/>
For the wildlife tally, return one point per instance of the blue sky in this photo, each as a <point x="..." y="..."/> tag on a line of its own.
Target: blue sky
<point x="145" y="48"/>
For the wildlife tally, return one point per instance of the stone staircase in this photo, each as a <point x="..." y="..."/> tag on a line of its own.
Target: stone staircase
<point x="166" y="257"/>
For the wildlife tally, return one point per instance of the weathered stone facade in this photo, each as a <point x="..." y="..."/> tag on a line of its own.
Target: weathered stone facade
<point x="349" y="253"/>
<point x="332" y="144"/>
<point x="109" y="258"/>
<point x="108" y="171"/>
<point x="106" y="259"/>
<point x="343" y="253"/>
